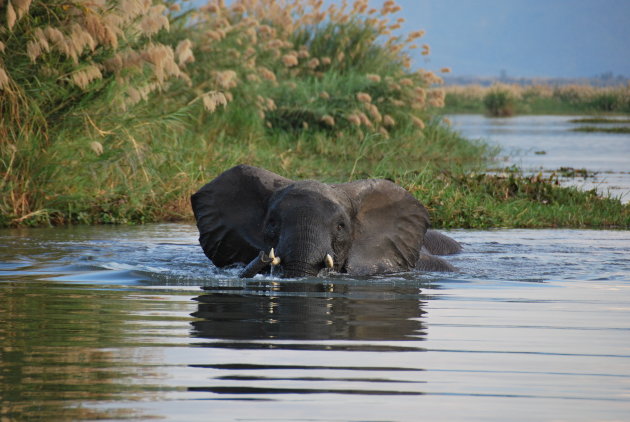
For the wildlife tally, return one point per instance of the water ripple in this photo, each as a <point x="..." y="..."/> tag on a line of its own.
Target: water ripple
<point x="135" y="323"/>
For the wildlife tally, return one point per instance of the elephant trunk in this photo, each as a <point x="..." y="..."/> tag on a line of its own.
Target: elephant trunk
<point x="302" y="260"/>
<point x="303" y="247"/>
<point x="258" y="264"/>
<point x="297" y="269"/>
<point x="291" y="269"/>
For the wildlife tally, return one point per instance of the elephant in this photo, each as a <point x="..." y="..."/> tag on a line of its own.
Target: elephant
<point x="251" y="216"/>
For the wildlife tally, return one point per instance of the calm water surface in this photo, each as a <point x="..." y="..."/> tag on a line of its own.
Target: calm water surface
<point x="548" y="143"/>
<point x="134" y="323"/>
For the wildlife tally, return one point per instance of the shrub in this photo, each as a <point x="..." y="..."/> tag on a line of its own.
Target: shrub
<point x="605" y="101"/>
<point x="500" y="101"/>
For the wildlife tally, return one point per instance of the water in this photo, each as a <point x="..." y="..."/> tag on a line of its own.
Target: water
<point x="134" y="323"/>
<point x="547" y="143"/>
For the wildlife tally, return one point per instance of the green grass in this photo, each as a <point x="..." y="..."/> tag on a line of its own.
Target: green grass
<point x="82" y="159"/>
<point x="443" y="170"/>
<point x="490" y="200"/>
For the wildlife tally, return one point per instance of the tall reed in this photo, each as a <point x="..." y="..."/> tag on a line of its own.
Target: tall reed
<point x="115" y="111"/>
<point x="73" y="69"/>
<point x="306" y="67"/>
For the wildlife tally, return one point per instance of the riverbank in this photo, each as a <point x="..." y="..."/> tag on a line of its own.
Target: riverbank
<point x="444" y="171"/>
<point x="125" y="136"/>
<point x="549" y="148"/>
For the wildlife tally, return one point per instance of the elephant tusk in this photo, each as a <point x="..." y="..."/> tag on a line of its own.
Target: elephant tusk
<point x="275" y="260"/>
<point x="329" y="261"/>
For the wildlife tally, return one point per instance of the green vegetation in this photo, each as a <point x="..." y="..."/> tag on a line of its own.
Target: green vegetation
<point x="573" y="172"/>
<point x="602" y="121"/>
<point x="499" y="103"/>
<point x="599" y="120"/>
<point x="108" y="117"/>
<point x="537" y="99"/>
<point x="510" y="199"/>
<point x="601" y="129"/>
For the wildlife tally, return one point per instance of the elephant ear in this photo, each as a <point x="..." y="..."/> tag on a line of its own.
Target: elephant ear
<point x="230" y="211"/>
<point x="438" y="243"/>
<point x="389" y="227"/>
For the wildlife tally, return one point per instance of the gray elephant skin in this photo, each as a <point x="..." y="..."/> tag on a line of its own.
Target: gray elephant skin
<point x="364" y="227"/>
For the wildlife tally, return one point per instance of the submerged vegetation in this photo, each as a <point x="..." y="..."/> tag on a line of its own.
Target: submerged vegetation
<point x="537" y="99"/>
<point x="601" y="129"/>
<point x="600" y="120"/>
<point x="602" y="125"/>
<point x="116" y="111"/>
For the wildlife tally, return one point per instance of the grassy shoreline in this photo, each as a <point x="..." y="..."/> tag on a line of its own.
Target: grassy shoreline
<point x="602" y="129"/>
<point x="458" y="193"/>
<point x="123" y="131"/>
<point x="511" y="99"/>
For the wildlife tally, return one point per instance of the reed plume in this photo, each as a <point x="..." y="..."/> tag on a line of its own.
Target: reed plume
<point x="94" y="70"/>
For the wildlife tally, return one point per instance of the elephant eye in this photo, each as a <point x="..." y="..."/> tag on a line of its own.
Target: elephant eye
<point x="340" y="226"/>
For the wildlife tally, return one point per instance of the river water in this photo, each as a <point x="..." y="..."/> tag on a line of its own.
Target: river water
<point x="550" y="143"/>
<point x="134" y="323"/>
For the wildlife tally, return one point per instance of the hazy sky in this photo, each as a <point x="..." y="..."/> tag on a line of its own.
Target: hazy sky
<point x="529" y="38"/>
<point x="557" y="38"/>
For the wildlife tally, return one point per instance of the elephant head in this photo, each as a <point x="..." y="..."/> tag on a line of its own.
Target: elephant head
<point x="362" y="227"/>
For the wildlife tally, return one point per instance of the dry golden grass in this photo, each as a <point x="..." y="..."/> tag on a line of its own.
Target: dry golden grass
<point x="266" y="50"/>
<point x="80" y="42"/>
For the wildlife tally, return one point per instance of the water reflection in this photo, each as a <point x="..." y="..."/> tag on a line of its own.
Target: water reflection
<point x="315" y="321"/>
<point x="310" y="311"/>
<point x="95" y="323"/>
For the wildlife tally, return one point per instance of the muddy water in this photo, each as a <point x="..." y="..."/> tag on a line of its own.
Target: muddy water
<point x="549" y="143"/>
<point x="134" y="323"/>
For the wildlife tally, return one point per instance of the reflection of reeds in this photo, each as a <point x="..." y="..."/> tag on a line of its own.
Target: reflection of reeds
<point x="75" y="356"/>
